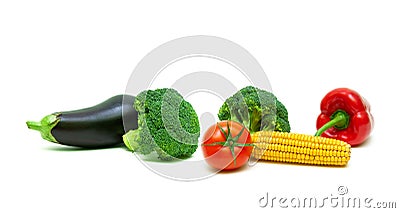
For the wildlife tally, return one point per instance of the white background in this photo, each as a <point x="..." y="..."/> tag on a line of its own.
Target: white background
<point x="72" y="54"/>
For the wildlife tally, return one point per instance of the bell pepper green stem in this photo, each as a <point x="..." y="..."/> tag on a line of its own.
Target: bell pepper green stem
<point x="339" y="120"/>
<point x="45" y="126"/>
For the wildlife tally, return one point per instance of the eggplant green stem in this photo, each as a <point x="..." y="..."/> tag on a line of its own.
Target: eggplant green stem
<point x="339" y="120"/>
<point x="45" y="126"/>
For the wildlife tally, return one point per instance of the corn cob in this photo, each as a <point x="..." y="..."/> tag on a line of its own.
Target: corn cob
<point x="299" y="148"/>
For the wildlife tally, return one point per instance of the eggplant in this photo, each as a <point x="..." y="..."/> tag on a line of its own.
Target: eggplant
<point x="98" y="126"/>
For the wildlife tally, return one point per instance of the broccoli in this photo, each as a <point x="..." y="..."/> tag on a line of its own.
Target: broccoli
<point x="167" y="125"/>
<point x="256" y="109"/>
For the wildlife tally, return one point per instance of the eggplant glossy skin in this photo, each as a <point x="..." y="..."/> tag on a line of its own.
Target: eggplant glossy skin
<point x="98" y="126"/>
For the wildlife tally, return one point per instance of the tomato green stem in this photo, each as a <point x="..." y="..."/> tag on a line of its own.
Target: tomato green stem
<point x="339" y="120"/>
<point x="230" y="141"/>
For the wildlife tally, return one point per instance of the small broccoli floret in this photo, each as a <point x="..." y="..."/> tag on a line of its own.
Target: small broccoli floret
<point x="167" y="125"/>
<point x="256" y="109"/>
<point x="282" y="125"/>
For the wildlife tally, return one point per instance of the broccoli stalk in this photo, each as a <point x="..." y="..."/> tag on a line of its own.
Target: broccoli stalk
<point x="131" y="139"/>
<point x="256" y="109"/>
<point x="167" y="125"/>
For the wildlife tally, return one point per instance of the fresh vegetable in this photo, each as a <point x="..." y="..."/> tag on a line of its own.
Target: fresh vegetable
<point x="93" y="127"/>
<point x="168" y="125"/>
<point x="227" y="145"/>
<point x="345" y="115"/>
<point x="300" y="148"/>
<point x="256" y="109"/>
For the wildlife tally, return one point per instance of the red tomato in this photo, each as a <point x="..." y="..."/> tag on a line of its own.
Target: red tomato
<point x="227" y="145"/>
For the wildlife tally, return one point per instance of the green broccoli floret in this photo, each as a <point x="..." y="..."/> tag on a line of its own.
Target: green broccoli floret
<point x="167" y="125"/>
<point x="256" y="109"/>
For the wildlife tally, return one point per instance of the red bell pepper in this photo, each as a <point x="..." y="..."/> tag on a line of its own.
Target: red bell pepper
<point x="345" y="115"/>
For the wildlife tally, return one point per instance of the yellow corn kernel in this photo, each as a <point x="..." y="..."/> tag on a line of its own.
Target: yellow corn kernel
<point x="300" y="148"/>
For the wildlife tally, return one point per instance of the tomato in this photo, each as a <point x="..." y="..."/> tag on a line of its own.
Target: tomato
<point x="227" y="145"/>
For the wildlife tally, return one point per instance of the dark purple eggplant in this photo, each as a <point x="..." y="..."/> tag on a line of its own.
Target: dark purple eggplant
<point x="98" y="126"/>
